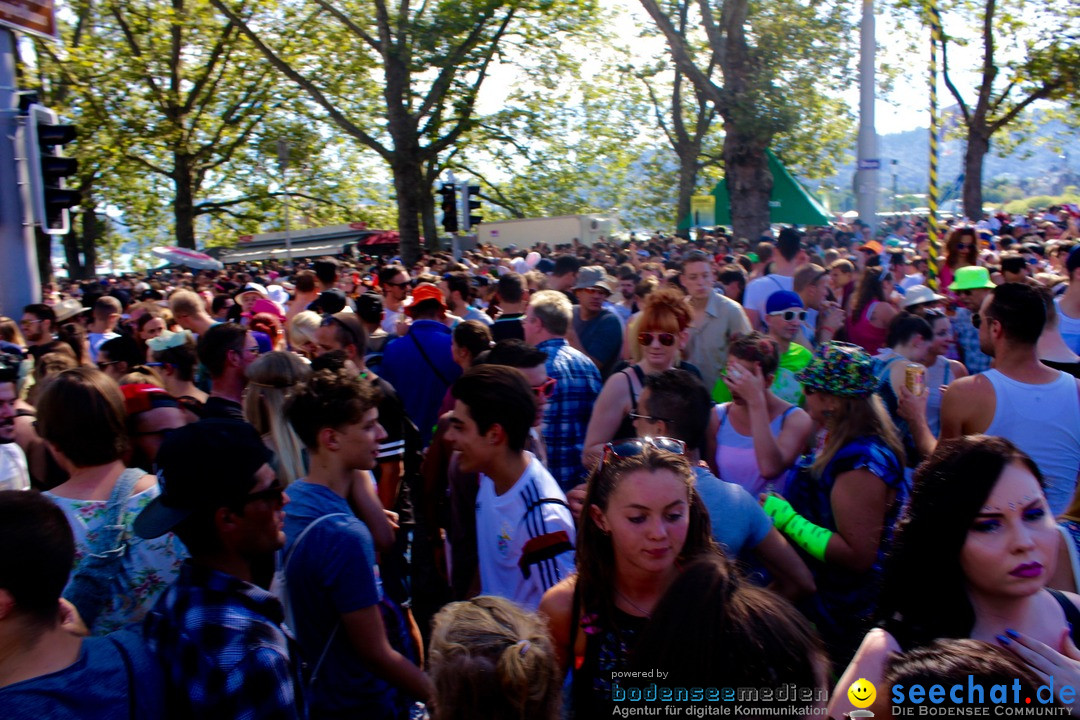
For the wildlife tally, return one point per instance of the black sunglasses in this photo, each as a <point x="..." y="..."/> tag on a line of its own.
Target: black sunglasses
<point x="274" y="494"/>
<point x="646" y="338"/>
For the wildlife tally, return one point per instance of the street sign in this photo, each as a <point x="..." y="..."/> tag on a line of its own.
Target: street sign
<point x="870" y="164"/>
<point x="36" y="17"/>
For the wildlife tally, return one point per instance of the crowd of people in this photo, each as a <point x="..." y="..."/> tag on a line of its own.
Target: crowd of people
<point x="537" y="483"/>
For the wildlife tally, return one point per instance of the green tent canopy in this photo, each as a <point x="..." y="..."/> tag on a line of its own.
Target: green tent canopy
<point x="790" y="203"/>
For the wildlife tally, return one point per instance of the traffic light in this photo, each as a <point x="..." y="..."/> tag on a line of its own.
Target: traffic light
<point x="46" y="168"/>
<point x="449" y="207"/>
<point x="472" y="205"/>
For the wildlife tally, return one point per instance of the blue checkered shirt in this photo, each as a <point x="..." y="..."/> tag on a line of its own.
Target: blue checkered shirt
<point x="967" y="340"/>
<point x="577" y="384"/>
<point x="224" y="649"/>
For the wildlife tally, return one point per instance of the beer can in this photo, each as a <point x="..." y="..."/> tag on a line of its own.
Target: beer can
<point x="915" y="378"/>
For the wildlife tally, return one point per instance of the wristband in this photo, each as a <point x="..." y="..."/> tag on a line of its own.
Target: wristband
<point x="810" y="537"/>
<point x="779" y="510"/>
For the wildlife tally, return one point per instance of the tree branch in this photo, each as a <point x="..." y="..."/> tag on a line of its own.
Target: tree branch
<point x="681" y="53"/>
<point x="339" y="119"/>
<point x="463" y="121"/>
<point x="133" y="44"/>
<point x="500" y="198"/>
<point x="949" y="83"/>
<point x="353" y="27"/>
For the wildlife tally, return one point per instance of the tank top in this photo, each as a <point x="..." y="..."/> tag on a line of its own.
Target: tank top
<point x="865" y="334"/>
<point x="938" y="374"/>
<point x="608" y="645"/>
<point x="1044" y="422"/>
<point x="735" y="458"/>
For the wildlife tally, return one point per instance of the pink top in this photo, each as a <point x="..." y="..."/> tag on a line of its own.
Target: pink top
<point x="865" y="334"/>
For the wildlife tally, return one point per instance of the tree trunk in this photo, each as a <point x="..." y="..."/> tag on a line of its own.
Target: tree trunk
<point x="91" y="233"/>
<point x="688" y="169"/>
<point x="184" y="204"/>
<point x="409" y="183"/>
<point x="978" y="145"/>
<point x="44" y="255"/>
<point x="71" y="251"/>
<point x="749" y="183"/>
<point x="427" y="216"/>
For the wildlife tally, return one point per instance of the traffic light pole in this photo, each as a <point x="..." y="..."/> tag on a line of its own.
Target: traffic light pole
<point x="19" y="282"/>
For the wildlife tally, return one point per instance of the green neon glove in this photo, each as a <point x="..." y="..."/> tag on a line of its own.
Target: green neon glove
<point x="779" y="510"/>
<point x="805" y="534"/>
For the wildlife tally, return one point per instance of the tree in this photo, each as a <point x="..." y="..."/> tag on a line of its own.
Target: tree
<point x="417" y="71"/>
<point x="774" y="56"/>
<point x="686" y="125"/>
<point x="1030" y="52"/>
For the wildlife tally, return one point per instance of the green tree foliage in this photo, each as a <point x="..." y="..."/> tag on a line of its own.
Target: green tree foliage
<point x="176" y="110"/>
<point x="403" y="79"/>
<point x="1029" y="51"/>
<point x="781" y="63"/>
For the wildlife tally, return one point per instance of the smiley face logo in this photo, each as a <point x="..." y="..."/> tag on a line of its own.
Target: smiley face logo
<point x="862" y="693"/>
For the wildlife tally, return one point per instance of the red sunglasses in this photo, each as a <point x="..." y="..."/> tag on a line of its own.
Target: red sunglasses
<point x="545" y="389"/>
<point x="646" y="338"/>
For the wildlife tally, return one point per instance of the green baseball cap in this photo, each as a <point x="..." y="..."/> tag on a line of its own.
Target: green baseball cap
<point x="972" y="278"/>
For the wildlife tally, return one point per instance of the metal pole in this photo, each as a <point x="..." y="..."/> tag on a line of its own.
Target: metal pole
<point x="283" y="165"/>
<point x="869" y="163"/>
<point x="932" y="194"/>
<point x="19" y="282"/>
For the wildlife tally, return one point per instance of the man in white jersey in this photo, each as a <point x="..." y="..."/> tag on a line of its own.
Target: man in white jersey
<point x="1034" y="406"/>
<point x="524" y="529"/>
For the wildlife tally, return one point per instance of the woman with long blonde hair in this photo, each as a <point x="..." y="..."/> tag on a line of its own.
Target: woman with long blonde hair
<point x="840" y="508"/>
<point x="272" y="379"/>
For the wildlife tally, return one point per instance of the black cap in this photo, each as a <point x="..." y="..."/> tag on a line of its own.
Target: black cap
<point x="369" y="307"/>
<point x="206" y="465"/>
<point x="330" y="302"/>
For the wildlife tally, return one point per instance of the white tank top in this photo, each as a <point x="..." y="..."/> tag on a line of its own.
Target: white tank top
<point x="1044" y="422"/>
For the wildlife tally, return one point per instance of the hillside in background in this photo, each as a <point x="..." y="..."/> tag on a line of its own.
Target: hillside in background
<point x="1043" y="164"/>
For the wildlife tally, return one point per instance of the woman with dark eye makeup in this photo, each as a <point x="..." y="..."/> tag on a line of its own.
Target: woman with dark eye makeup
<point x="972" y="558"/>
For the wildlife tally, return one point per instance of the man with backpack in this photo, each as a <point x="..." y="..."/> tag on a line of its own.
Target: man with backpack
<point x="355" y="640"/>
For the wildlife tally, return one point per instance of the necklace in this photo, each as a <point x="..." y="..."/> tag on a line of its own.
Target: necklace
<point x="634" y="605"/>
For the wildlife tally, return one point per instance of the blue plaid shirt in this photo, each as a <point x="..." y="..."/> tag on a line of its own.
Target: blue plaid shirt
<point x="967" y="341"/>
<point x="577" y="384"/>
<point x="224" y="649"/>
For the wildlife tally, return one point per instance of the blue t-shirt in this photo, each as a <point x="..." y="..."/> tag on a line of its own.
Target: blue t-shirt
<point x="114" y="678"/>
<point x="332" y="573"/>
<point x="738" y="522"/>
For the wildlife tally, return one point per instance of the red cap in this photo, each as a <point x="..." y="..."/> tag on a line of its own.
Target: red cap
<point x="424" y="292"/>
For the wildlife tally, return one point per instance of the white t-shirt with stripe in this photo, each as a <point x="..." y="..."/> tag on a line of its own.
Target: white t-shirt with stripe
<point x="517" y="524"/>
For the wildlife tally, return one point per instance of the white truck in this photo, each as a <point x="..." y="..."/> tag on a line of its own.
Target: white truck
<point x="524" y="233"/>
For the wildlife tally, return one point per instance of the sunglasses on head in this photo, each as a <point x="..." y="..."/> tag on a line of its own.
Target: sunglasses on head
<point x="545" y="389"/>
<point x="630" y="447"/>
<point x="329" y="320"/>
<point x="789" y="315"/>
<point x="646" y="338"/>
